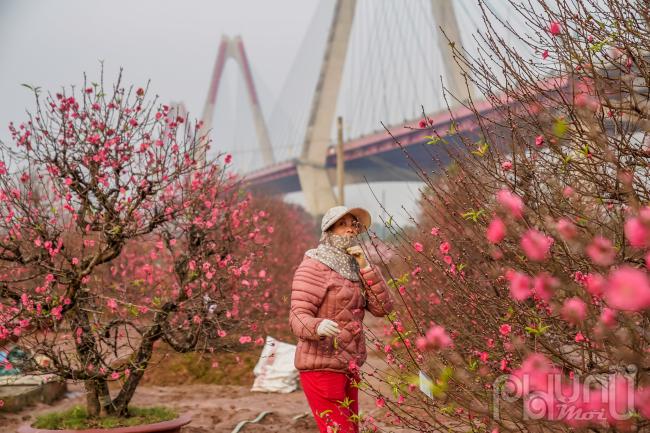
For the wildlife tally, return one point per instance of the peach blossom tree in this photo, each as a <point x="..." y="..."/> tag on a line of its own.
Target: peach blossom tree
<point x="114" y="239"/>
<point x="524" y="284"/>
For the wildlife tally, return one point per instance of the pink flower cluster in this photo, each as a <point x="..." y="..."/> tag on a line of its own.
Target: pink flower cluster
<point x="436" y="338"/>
<point x="548" y="394"/>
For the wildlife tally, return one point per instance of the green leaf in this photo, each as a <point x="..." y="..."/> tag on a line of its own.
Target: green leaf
<point x="133" y="310"/>
<point x="448" y="410"/>
<point x="115" y="230"/>
<point x="482" y="149"/>
<point x="560" y="127"/>
<point x="355" y="418"/>
<point x="345" y="403"/>
<point x="597" y="47"/>
<point x="473" y="215"/>
<point x="434" y="139"/>
<point x="539" y="328"/>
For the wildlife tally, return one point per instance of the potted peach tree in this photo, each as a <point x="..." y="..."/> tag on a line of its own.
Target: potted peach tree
<point x="114" y="239"/>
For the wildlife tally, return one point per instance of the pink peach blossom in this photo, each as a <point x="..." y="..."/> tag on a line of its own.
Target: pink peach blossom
<point x="532" y="375"/>
<point x="595" y="284"/>
<point x="574" y="310"/>
<point x="567" y="191"/>
<point x="554" y="28"/>
<point x="601" y="251"/>
<point x="544" y="285"/>
<point x="608" y="317"/>
<point x="637" y="233"/>
<point x="418" y="247"/>
<point x="496" y="230"/>
<point x="520" y="285"/>
<point x="536" y="245"/>
<point x="436" y="338"/>
<point x="511" y="202"/>
<point x="628" y="289"/>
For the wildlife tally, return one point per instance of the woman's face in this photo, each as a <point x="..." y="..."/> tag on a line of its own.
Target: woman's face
<point x="347" y="225"/>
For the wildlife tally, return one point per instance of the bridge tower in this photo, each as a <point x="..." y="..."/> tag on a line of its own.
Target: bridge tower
<point x="315" y="182"/>
<point x="233" y="48"/>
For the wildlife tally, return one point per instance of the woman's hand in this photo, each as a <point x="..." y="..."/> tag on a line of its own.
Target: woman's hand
<point x="328" y="328"/>
<point x="357" y="252"/>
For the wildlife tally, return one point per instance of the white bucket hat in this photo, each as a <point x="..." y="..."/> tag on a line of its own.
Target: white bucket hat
<point x="335" y="214"/>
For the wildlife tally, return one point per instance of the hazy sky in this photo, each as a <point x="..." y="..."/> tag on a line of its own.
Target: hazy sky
<point x="173" y="43"/>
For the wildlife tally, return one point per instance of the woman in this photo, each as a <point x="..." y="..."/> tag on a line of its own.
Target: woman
<point x="332" y="288"/>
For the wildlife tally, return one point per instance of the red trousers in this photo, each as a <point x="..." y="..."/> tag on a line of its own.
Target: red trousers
<point x="333" y="399"/>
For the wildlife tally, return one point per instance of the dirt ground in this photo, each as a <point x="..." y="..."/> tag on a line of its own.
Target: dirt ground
<point x="214" y="408"/>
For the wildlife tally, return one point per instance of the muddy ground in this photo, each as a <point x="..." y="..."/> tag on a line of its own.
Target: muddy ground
<point x="214" y="408"/>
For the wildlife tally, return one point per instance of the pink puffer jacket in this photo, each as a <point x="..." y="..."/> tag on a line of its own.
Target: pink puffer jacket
<point x="318" y="293"/>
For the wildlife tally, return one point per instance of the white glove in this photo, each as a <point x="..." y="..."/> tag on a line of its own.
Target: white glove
<point x="357" y="252"/>
<point x="328" y="328"/>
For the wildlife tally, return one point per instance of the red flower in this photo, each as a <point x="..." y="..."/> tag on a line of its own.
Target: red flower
<point x="554" y="28"/>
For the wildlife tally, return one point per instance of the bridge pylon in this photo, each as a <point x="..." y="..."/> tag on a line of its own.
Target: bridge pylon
<point x="233" y="48"/>
<point x="314" y="180"/>
<point x="317" y="185"/>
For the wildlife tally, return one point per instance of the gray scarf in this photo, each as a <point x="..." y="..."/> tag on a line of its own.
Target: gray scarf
<point x="331" y="251"/>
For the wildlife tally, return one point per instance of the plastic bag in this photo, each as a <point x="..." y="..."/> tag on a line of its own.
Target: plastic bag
<point x="275" y="371"/>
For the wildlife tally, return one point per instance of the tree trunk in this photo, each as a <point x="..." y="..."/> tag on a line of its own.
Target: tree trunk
<point x="140" y="363"/>
<point x="92" y="400"/>
<point x="104" y="397"/>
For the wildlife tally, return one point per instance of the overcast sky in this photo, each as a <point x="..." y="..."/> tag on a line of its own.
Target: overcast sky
<point x="173" y="43"/>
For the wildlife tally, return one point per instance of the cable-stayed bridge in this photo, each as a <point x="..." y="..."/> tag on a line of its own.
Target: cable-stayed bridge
<point x="367" y="61"/>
